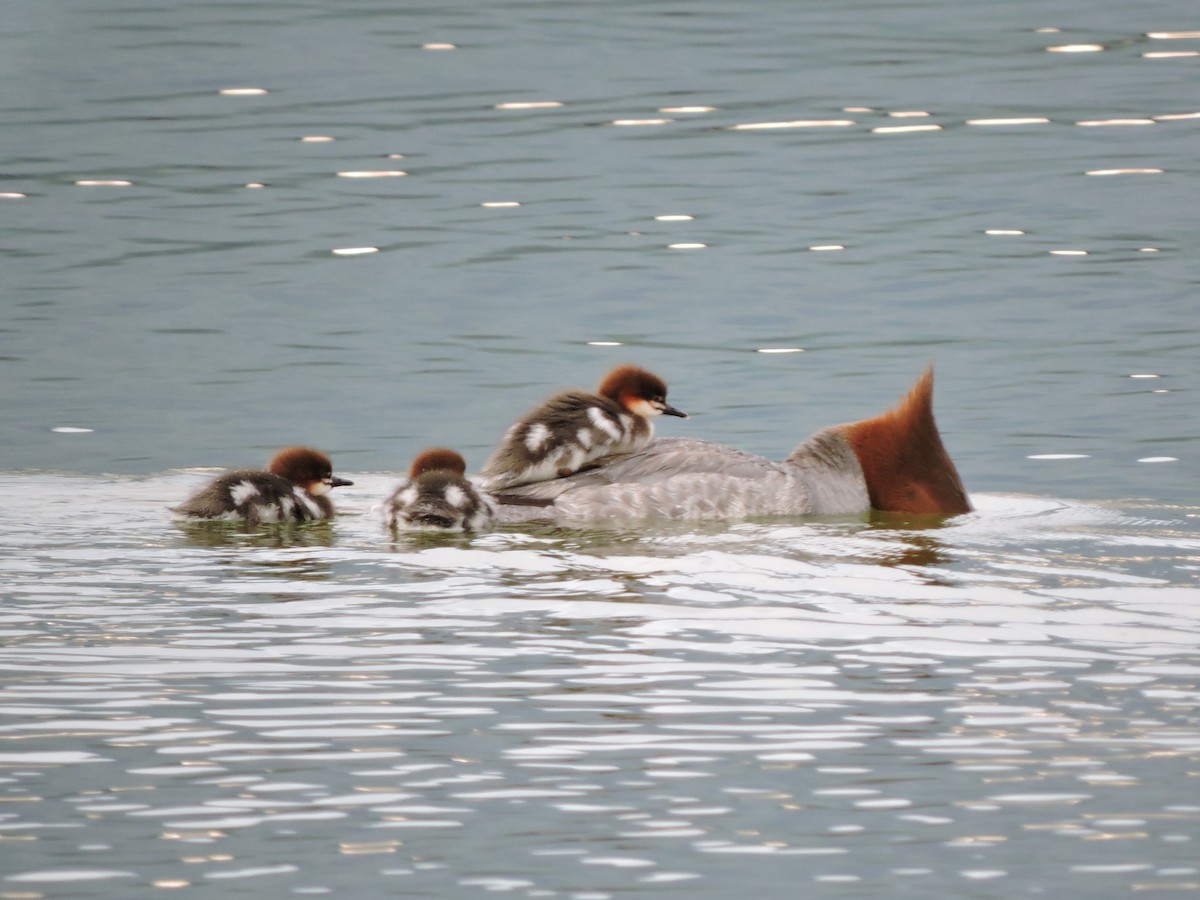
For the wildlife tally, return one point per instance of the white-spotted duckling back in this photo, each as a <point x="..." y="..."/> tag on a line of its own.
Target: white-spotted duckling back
<point x="437" y="496"/>
<point x="294" y="488"/>
<point x="574" y="428"/>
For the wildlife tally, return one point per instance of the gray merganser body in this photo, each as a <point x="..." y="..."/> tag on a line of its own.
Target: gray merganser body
<point x="895" y="461"/>
<point x="686" y="478"/>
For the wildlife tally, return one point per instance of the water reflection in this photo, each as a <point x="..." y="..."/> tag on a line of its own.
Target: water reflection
<point x="915" y="535"/>
<point x="419" y="540"/>
<point x="239" y="534"/>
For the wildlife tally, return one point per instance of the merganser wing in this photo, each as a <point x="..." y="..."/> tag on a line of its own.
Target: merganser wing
<point x="685" y="478"/>
<point x="658" y="461"/>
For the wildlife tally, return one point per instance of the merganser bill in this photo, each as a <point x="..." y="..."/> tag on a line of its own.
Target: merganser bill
<point x="293" y="489"/>
<point x="892" y="462"/>
<point x="437" y="496"/>
<point x="573" y="428"/>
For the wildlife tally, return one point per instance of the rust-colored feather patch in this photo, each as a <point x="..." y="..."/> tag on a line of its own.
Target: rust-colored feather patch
<point x="437" y="459"/>
<point x="301" y="465"/>
<point x="631" y="383"/>
<point x="904" y="462"/>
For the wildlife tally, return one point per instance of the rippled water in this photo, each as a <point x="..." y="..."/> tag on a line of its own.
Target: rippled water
<point x="196" y="273"/>
<point x="1002" y="706"/>
<point x="187" y="319"/>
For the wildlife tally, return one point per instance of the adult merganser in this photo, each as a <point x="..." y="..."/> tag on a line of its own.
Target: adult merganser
<point x="293" y="489"/>
<point x="895" y="461"/>
<point x="437" y="496"/>
<point x="573" y="428"/>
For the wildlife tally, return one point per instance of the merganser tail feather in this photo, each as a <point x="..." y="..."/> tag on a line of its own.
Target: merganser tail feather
<point x="905" y="465"/>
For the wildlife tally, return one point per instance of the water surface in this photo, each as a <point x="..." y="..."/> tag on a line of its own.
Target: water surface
<point x="989" y="708"/>
<point x="1004" y="705"/>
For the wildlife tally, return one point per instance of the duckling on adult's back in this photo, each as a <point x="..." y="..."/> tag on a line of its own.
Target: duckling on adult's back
<point x="575" y="427"/>
<point x="294" y="488"/>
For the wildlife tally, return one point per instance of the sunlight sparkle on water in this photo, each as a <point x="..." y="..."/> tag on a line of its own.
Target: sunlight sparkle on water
<point x="1174" y="117"/>
<point x="1158" y="459"/>
<point x="687" y="109"/>
<point x="1029" y="120"/>
<point x="499" y="204"/>
<point x="1076" y="48"/>
<point x="354" y="251"/>
<point x="385" y="173"/>
<point x="1173" y="35"/>
<point x="99" y="182"/>
<point x="1058" y="456"/>
<point x="1171" y="54"/>
<point x="1125" y="172"/>
<point x="674" y="218"/>
<point x="1068" y="253"/>
<point x="316" y="139"/>
<point x="823" y="248"/>
<point x="1106" y="123"/>
<point x="439" y="47"/>
<point x="1005" y="231"/>
<point x="11" y="195"/>
<point x="798" y="123"/>
<point x="606" y="344"/>
<point x="242" y="92"/>
<point x="779" y="350"/>
<point x="904" y="129"/>
<point x="530" y="104"/>
<point x="71" y="429"/>
<point x="636" y="123"/>
<point x="687" y="246"/>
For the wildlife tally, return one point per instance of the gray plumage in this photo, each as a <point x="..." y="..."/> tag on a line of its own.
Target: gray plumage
<point x="684" y="478"/>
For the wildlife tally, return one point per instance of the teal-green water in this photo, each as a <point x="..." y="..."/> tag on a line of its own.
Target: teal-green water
<point x="1002" y="706"/>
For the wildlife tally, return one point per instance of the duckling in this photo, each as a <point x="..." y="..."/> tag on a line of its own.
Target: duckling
<point x="437" y="496"/>
<point x="294" y="488"/>
<point x="573" y="428"/>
